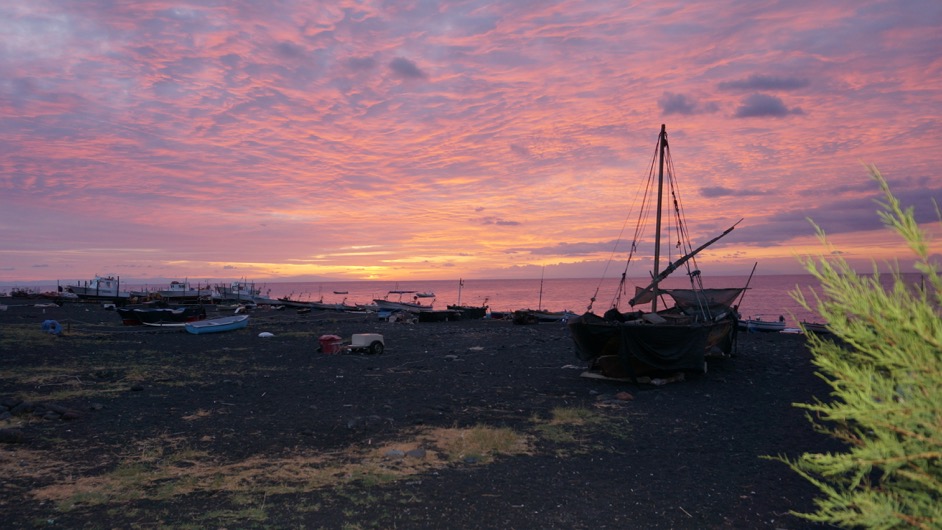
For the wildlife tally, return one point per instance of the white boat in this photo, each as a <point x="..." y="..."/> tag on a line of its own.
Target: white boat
<point x="237" y="292"/>
<point x="184" y="292"/>
<point x="385" y="304"/>
<point x="99" y="288"/>
<point x="754" y="324"/>
<point x="216" y="325"/>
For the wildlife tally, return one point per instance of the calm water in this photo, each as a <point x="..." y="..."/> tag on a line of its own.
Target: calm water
<point x="767" y="296"/>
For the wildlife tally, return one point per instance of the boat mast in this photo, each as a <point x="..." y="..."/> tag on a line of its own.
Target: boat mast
<point x="662" y="147"/>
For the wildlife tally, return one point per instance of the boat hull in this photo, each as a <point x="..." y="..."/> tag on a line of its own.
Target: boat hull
<point x="636" y="348"/>
<point x="388" y="305"/>
<point x="178" y="316"/>
<point x="470" y="312"/>
<point x="439" y="315"/>
<point x="764" y="326"/>
<point x="217" y="325"/>
<point x="161" y="315"/>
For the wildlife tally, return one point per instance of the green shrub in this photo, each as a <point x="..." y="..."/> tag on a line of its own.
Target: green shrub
<point x="884" y="365"/>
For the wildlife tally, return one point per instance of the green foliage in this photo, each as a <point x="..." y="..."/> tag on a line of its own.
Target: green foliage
<point x="884" y="365"/>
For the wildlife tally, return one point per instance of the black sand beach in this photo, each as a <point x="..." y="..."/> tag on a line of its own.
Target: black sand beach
<point x="480" y="424"/>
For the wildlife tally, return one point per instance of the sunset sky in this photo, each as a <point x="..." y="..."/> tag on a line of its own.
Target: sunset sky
<point x="347" y="139"/>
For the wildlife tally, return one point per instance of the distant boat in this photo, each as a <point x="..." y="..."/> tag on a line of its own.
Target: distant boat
<point x="99" y="288"/>
<point x="183" y="292"/>
<point x="427" y="294"/>
<point x="815" y="327"/>
<point x="335" y="306"/>
<point x="217" y="325"/>
<point x="385" y="304"/>
<point x="240" y="291"/>
<point x="536" y="316"/>
<point x="757" y="324"/>
<point x="701" y="322"/>
<point x="440" y="315"/>
<point x="469" y="312"/>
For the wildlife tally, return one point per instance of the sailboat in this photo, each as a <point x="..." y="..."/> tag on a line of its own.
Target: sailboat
<point x="701" y="323"/>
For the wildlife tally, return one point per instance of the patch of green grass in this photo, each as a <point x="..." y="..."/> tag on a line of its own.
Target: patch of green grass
<point x="481" y="443"/>
<point x="570" y="427"/>
<point x="25" y="336"/>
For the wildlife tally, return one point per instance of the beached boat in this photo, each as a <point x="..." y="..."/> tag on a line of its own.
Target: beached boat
<point x="335" y="306"/>
<point x="161" y="315"/>
<point x="701" y="322"/>
<point x="182" y="293"/>
<point x="815" y="327"/>
<point x="758" y="324"/>
<point x="240" y="291"/>
<point x="217" y="325"/>
<point x="126" y="312"/>
<point x="536" y="316"/>
<point x="99" y="288"/>
<point x="468" y="312"/>
<point x="440" y="315"/>
<point x="385" y="304"/>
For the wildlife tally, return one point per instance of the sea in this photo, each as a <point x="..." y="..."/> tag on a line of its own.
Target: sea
<point x="767" y="297"/>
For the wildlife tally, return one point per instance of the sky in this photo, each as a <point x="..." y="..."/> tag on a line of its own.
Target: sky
<point x="403" y="140"/>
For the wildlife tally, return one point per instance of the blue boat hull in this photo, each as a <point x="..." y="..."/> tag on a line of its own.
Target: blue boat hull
<point x="217" y="325"/>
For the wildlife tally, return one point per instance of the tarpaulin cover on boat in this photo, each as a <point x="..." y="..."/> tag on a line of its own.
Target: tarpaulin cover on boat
<point x="715" y="299"/>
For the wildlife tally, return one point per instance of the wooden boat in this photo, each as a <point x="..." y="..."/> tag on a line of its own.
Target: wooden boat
<point x="468" y="312"/>
<point x="814" y="327"/>
<point x="536" y="316"/>
<point x="757" y="324"/>
<point x="217" y="325"/>
<point x="701" y="323"/>
<point x="501" y="315"/>
<point x="128" y="318"/>
<point x="240" y="291"/>
<point x="439" y="315"/>
<point x="385" y="304"/>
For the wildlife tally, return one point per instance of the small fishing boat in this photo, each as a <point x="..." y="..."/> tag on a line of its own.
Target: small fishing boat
<point x="754" y="324"/>
<point x="240" y="291"/>
<point x="99" y="288"/>
<point x="385" y="304"/>
<point x="815" y="327"/>
<point x="440" y="315"/>
<point x="160" y="314"/>
<point x="536" y="316"/>
<point x="217" y="325"/>
<point x="468" y="312"/>
<point x="182" y="293"/>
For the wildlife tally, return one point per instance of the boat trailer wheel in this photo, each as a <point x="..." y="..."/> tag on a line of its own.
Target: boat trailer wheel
<point x="376" y="347"/>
